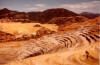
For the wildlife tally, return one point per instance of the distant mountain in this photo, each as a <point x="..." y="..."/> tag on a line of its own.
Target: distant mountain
<point x="10" y="14"/>
<point x="90" y="15"/>
<point x="48" y="14"/>
<point x="42" y="17"/>
<point x="58" y="12"/>
<point x="6" y="13"/>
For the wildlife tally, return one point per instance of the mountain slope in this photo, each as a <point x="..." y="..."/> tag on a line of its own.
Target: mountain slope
<point x="42" y="17"/>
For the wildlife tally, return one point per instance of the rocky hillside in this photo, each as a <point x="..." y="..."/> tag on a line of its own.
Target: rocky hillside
<point x="42" y="17"/>
<point x="6" y="13"/>
<point x="58" y="12"/>
<point x="71" y="26"/>
<point x="6" y="36"/>
<point x="67" y="20"/>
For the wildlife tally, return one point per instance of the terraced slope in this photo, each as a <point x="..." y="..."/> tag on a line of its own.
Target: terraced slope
<point x="76" y="46"/>
<point x="86" y="33"/>
<point x="88" y="55"/>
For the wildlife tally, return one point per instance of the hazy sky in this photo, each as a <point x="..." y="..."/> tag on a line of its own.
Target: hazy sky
<point x="40" y="5"/>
